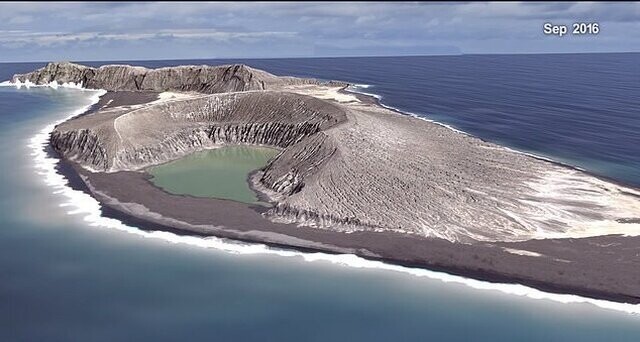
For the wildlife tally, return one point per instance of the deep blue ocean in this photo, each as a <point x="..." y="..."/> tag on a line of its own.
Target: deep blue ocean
<point x="64" y="279"/>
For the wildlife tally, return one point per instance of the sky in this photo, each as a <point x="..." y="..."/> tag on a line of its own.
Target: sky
<point x="152" y="30"/>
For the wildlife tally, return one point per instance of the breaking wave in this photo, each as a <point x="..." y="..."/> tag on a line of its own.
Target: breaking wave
<point x="89" y="209"/>
<point x="357" y="88"/>
<point x="55" y="85"/>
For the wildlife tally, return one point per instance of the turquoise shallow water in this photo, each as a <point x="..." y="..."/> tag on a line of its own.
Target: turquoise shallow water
<point x="219" y="173"/>
<point x="65" y="279"/>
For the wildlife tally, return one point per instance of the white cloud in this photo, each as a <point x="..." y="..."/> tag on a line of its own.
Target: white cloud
<point x="254" y="29"/>
<point x="53" y="38"/>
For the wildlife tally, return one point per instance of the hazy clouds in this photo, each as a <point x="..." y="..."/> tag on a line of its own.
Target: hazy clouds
<point x="84" y="31"/>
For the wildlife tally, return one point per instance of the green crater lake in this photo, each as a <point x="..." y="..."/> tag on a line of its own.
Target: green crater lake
<point x="220" y="173"/>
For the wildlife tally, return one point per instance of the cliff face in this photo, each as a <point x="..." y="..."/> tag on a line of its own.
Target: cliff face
<point x="123" y="139"/>
<point x="202" y="79"/>
<point x="81" y="145"/>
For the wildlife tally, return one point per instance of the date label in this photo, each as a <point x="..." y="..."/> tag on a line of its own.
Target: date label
<point x="577" y="29"/>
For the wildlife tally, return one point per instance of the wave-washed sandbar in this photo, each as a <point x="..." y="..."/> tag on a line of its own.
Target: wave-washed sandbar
<point x="350" y="176"/>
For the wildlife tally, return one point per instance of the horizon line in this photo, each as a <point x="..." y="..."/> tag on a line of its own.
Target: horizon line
<point x="325" y="57"/>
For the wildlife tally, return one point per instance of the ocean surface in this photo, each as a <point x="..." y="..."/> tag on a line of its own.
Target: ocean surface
<point x="68" y="274"/>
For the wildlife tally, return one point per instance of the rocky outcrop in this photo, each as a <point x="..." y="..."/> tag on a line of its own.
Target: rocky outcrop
<point x="196" y="78"/>
<point x="132" y="139"/>
<point x="272" y="134"/>
<point x="286" y="173"/>
<point x="349" y="165"/>
<point x="81" y="145"/>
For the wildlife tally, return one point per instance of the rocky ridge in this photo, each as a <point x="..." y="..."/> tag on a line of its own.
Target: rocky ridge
<point x="190" y="78"/>
<point x="344" y="165"/>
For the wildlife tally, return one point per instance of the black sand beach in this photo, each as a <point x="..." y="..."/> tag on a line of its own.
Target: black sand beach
<point x="576" y="266"/>
<point x="591" y="267"/>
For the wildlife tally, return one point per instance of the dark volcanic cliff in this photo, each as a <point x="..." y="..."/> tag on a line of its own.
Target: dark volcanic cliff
<point x="198" y="78"/>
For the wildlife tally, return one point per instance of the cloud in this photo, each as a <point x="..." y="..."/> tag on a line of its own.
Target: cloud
<point x="294" y="29"/>
<point x="55" y="38"/>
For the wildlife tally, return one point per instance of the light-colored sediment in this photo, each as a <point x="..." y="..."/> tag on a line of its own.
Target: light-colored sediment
<point x="345" y="164"/>
<point x="422" y="178"/>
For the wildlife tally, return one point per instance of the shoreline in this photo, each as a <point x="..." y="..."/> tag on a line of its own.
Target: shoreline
<point x="75" y="182"/>
<point x="377" y="99"/>
<point x="499" y="279"/>
<point x="368" y="98"/>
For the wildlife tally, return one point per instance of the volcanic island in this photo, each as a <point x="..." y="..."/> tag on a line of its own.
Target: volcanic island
<point x="344" y="175"/>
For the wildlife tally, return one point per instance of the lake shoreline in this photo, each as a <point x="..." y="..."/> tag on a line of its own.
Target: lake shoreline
<point x="220" y="172"/>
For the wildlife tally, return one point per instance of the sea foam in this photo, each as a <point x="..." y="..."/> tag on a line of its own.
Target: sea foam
<point x="89" y="209"/>
<point x="54" y="84"/>
<point x="357" y="88"/>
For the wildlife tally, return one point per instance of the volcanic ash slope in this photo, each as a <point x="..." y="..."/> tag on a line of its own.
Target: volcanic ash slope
<point x="345" y="164"/>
